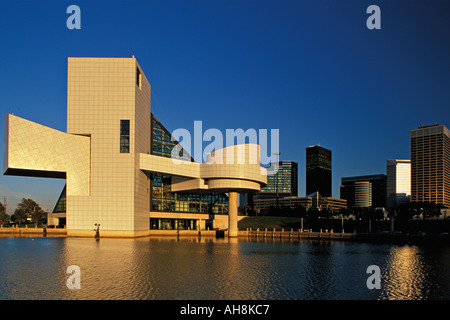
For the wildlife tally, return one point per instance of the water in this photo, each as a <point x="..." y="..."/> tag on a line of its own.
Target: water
<point x="206" y="269"/>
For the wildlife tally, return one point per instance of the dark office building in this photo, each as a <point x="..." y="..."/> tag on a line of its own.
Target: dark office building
<point x="318" y="170"/>
<point x="364" y="191"/>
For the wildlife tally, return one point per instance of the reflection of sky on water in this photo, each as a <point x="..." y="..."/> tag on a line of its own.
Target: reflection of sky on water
<point x="201" y="269"/>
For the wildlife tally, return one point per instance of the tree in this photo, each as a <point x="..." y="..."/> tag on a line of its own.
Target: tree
<point x="426" y="209"/>
<point x="343" y="212"/>
<point x="312" y="212"/>
<point x="299" y="211"/>
<point x="378" y="214"/>
<point x="431" y="209"/>
<point x="363" y="212"/>
<point x="324" y="213"/>
<point x="28" y="208"/>
<point x="4" y="217"/>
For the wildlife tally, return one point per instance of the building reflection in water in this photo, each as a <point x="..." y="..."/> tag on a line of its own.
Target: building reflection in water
<point x="177" y="268"/>
<point x="206" y="268"/>
<point x="108" y="268"/>
<point x="406" y="275"/>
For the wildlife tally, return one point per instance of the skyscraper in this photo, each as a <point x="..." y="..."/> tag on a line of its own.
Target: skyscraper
<point x="430" y="164"/>
<point x="284" y="182"/>
<point x="318" y="170"/>
<point x="398" y="182"/>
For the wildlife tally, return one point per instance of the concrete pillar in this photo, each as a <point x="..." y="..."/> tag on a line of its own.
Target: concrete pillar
<point x="232" y="214"/>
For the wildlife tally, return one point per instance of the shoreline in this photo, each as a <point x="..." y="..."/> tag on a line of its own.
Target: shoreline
<point x="274" y="234"/>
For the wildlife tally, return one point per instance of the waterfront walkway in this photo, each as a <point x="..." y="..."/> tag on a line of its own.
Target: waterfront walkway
<point x="32" y="231"/>
<point x="249" y="233"/>
<point x="295" y="234"/>
<point x="261" y="234"/>
<point x="393" y="238"/>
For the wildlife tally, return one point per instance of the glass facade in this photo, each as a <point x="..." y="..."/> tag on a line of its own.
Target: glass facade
<point x="173" y="224"/>
<point x="285" y="180"/>
<point x="61" y="203"/>
<point x="162" y="143"/>
<point x="398" y="183"/>
<point x="162" y="199"/>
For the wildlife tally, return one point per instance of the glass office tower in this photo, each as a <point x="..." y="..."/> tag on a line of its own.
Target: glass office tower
<point x="318" y="170"/>
<point x="398" y="182"/>
<point x="282" y="184"/>
<point x="285" y="181"/>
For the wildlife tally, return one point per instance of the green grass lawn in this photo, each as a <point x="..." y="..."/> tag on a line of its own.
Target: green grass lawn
<point x="269" y="223"/>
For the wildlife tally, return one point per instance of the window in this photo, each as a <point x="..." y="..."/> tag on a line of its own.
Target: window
<point x="138" y="78"/>
<point x="124" y="136"/>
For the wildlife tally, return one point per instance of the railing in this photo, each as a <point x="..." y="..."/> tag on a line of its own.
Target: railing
<point x="297" y="234"/>
<point x="31" y="230"/>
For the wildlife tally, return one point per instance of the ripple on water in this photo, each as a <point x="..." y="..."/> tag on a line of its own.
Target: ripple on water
<point x="187" y="269"/>
<point x="407" y="274"/>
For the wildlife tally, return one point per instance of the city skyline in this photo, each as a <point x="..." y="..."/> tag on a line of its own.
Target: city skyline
<point x="310" y="69"/>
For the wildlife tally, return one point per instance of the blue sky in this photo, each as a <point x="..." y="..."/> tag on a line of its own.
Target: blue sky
<point x="311" y="69"/>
